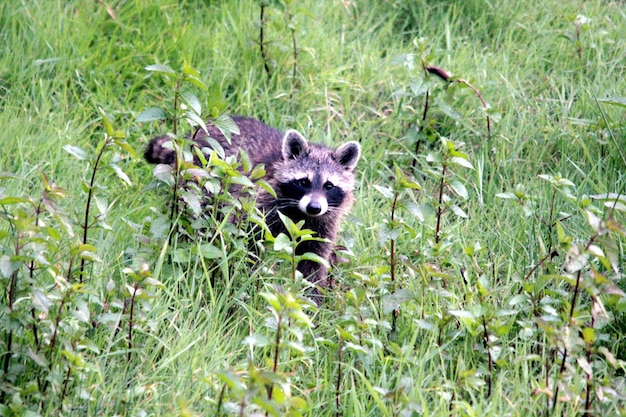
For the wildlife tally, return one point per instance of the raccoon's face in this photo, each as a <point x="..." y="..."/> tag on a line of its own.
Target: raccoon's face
<point x="315" y="179"/>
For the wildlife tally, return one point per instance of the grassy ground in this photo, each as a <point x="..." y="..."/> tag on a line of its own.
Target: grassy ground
<point x="506" y="291"/>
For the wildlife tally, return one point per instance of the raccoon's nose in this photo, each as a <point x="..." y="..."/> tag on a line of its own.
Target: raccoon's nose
<point x="313" y="208"/>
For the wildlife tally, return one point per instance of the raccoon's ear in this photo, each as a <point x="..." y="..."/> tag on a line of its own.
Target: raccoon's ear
<point x="294" y="145"/>
<point x="348" y="154"/>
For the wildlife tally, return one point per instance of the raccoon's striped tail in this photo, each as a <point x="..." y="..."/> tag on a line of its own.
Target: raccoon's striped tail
<point x="157" y="154"/>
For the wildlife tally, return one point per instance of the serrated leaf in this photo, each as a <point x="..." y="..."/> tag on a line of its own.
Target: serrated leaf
<point x="227" y="126"/>
<point x="151" y="114"/>
<point x="194" y="120"/>
<point x="78" y="152"/>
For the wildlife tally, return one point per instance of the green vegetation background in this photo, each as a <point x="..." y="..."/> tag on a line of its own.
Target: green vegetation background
<point x="554" y="77"/>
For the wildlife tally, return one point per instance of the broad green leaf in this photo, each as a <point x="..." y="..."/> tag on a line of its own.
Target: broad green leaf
<point x="463" y="314"/>
<point x="189" y="70"/>
<point x="77" y="152"/>
<point x="459" y="189"/>
<point x="151" y="114"/>
<point x="385" y="191"/>
<point x="8" y="266"/>
<point x="392" y="301"/>
<point x="575" y="260"/>
<point x="283" y="243"/>
<point x="310" y="256"/>
<point x="193" y="102"/>
<point x="462" y="162"/>
<point x="415" y="210"/>
<point x="227" y="126"/>
<point x="209" y="251"/>
<point x="194" y="120"/>
<point x="197" y="82"/>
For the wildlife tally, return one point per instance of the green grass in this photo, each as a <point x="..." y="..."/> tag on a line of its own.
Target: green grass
<point x="542" y="69"/>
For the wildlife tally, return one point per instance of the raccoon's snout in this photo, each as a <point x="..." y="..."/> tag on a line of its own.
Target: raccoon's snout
<point x="312" y="205"/>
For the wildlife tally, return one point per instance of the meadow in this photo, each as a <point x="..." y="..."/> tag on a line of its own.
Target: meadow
<point x="481" y="267"/>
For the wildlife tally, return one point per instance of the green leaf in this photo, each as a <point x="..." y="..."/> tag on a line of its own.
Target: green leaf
<point x="392" y="301"/>
<point x="108" y="127"/>
<point x="12" y="200"/>
<point x="462" y="314"/>
<point x="385" y="191"/>
<point x="121" y="174"/>
<point x="227" y="126"/>
<point x="197" y="82"/>
<point x="191" y="99"/>
<point x="615" y="101"/>
<point x="507" y="196"/>
<point x="283" y="243"/>
<point x="462" y="162"/>
<point x="189" y="70"/>
<point x="459" y="189"/>
<point x="257" y="172"/>
<point x="209" y="251"/>
<point x="310" y="256"/>
<point x="77" y="152"/>
<point x="415" y="210"/>
<point x="8" y="266"/>
<point x="194" y="120"/>
<point x="151" y="114"/>
<point x="160" y="68"/>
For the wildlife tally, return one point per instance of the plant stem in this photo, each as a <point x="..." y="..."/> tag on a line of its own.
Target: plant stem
<point x="88" y="206"/>
<point x="440" y="206"/>
<point x="490" y="359"/>
<point x="262" y="42"/>
<point x="392" y="259"/>
<point x="130" y="320"/>
<point x="339" y="375"/>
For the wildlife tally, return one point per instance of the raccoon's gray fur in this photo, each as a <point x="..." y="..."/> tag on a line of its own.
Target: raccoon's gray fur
<point x="312" y="182"/>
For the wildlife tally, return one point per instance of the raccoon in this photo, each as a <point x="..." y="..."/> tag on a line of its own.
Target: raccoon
<point x="312" y="182"/>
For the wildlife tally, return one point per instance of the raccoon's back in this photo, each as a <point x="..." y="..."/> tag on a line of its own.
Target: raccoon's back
<point x="261" y="142"/>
